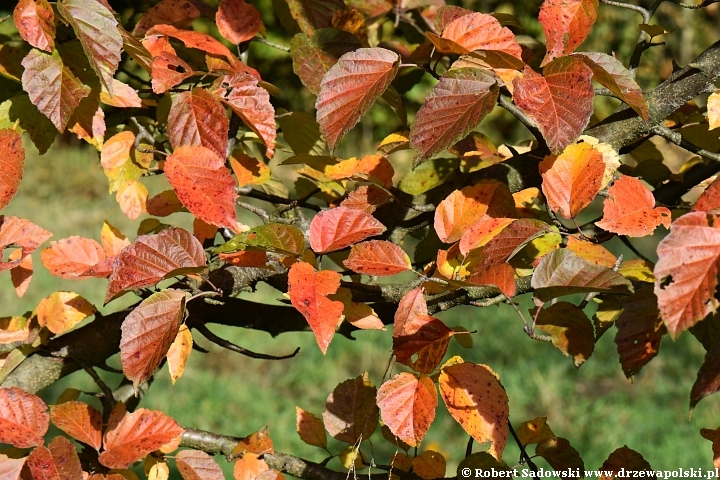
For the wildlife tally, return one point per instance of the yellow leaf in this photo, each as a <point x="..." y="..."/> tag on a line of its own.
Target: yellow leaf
<point x="63" y="310"/>
<point x="592" y="252"/>
<point x="159" y="471"/>
<point x="132" y="198"/>
<point x="352" y="458"/>
<point x="179" y="352"/>
<point x="249" y="170"/>
<point x="638" y="270"/>
<point x="121" y="162"/>
<point x="112" y="239"/>
<point x="534" y="431"/>
<point x="429" y="465"/>
<point x="713" y="108"/>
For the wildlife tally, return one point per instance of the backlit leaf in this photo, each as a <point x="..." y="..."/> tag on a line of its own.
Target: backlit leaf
<point x="366" y="198"/>
<point x="96" y="28"/>
<point x="249" y="467"/>
<point x="121" y="161"/>
<point x="179" y="352"/>
<point x="482" y="232"/>
<point x="12" y="160"/>
<point x="23" y="418"/>
<point x="709" y="199"/>
<point x="426" y="336"/>
<point x="407" y="405"/>
<point x="501" y="275"/>
<point x="274" y="237"/>
<point x="560" y="101"/>
<point x="167" y="71"/>
<point x="686" y="271"/>
<point x="456" y="105"/>
<point x="80" y="421"/>
<point x="313" y="57"/>
<point x="52" y="87"/>
<point x="179" y="13"/>
<point x="123" y="96"/>
<point x="309" y="292"/>
<point x="203" y="184"/>
<point x="22" y="233"/>
<point x="75" y="257"/>
<point x="132" y="198"/>
<point x="624" y="460"/>
<point x="350" y="88"/>
<point x="351" y="414"/>
<point x="534" y="431"/>
<point x="448" y="13"/>
<point x="136" y="434"/>
<point x="713" y="108"/>
<point x="341" y="227"/>
<point x="35" y="22"/>
<point x="592" y="252"/>
<point x="14" y="329"/>
<point x="11" y="468"/>
<point x="561" y="272"/>
<point x="378" y="257"/>
<point x="63" y="310"/>
<point x="411" y="306"/>
<point x="249" y="170"/>
<point x="374" y="168"/>
<point x="198" y="465"/>
<point x="571" y="330"/>
<point x="57" y="461"/>
<point x="312" y="15"/>
<point x="476" y="400"/>
<point x="20" y="109"/>
<point x="479" y="31"/>
<point x="310" y="428"/>
<point x="198" y="118"/>
<point x="237" y="21"/>
<point x="258" y="443"/>
<point x="428" y="175"/>
<point x="113" y="241"/>
<point x="566" y="23"/>
<point x="21" y="275"/>
<point x="148" y="332"/>
<point x="630" y="209"/>
<point x="151" y="258"/>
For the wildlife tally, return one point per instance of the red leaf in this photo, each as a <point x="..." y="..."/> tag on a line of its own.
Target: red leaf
<point x="350" y="88"/>
<point x="135" y="435"/>
<point x="710" y="198"/>
<point x="12" y="160"/>
<point x="168" y="70"/>
<point x="411" y="306"/>
<point x="686" y="271"/>
<point x="566" y="23"/>
<point x="479" y="31"/>
<point x="378" y="257"/>
<point x="456" y="106"/>
<point x="340" y="227"/>
<point x="630" y="209"/>
<point x="151" y="258"/>
<point x="351" y="414"/>
<point x="97" y="29"/>
<point x="482" y="232"/>
<point x="147" y="333"/>
<point x="308" y="292"/>
<point x="22" y="233"/>
<point x="313" y="15"/>
<point x="560" y="101"/>
<point x="22" y="274"/>
<point x="179" y="13"/>
<point x="237" y="21"/>
<point x="52" y="87"/>
<point x="426" y="336"/>
<point x="192" y="39"/>
<point x="407" y="404"/>
<point x="198" y="118"/>
<point x="35" y="22"/>
<point x="502" y="275"/>
<point x="23" y="418"/>
<point x="75" y="257"/>
<point x="476" y="400"/>
<point x="59" y="461"/>
<point x="203" y="184"/>
<point x="366" y="198"/>
<point x="198" y="465"/>
<point x="251" y="103"/>
<point x="572" y="179"/>
<point x="80" y="421"/>
<point x="313" y="57"/>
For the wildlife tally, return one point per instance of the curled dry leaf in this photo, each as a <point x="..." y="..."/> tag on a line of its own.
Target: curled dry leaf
<point x="75" y="257"/>
<point x="340" y="227"/>
<point x="22" y="233"/>
<point x="476" y="400"/>
<point x="57" y="461"/>
<point x="35" y="22"/>
<point x="198" y="465"/>
<point x="23" y="418"/>
<point x="310" y="428"/>
<point x="630" y="209"/>
<point x="566" y="23"/>
<point x="407" y="404"/>
<point x="237" y="20"/>
<point x="378" y="257"/>
<point x="351" y="414"/>
<point x="61" y="311"/>
<point x="12" y="160"/>
<point x="79" y="420"/>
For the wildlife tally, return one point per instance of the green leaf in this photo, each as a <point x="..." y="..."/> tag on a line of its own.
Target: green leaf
<point x="571" y="330"/>
<point x="428" y="175"/>
<point x="274" y="237"/>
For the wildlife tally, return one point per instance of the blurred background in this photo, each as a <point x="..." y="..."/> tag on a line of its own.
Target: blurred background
<point x="595" y="407"/>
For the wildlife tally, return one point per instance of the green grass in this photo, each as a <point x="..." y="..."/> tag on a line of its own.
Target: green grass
<point x="595" y="407"/>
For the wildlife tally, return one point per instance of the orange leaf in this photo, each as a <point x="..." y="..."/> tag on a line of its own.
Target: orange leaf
<point x="61" y="311"/>
<point x="249" y="467"/>
<point x="310" y="428"/>
<point x="193" y="39"/>
<point x="168" y="70"/>
<point x="351" y="414"/>
<point x="21" y="274"/>
<point x="203" y="184"/>
<point x="249" y="170"/>
<point x="75" y="257"/>
<point x="373" y="167"/>
<point x="22" y="233"/>
<point x="482" y="232"/>
<point x="340" y="227"/>
<point x="57" y="461"/>
<point x="560" y="101"/>
<point x="502" y="275"/>
<point x="308" y="292"/>
<point x="476" y="400"/>
<point x="23" y="418"/>
<point x="350" y="88"/>
<point x="411" y="306"/>
<point x="407" y="404"/>
<point x="366" y="198"/>
<point x="429" y="465"/>
<point x="426" y="336"/>
<point x="136" y="434"/>
<point x="198" y="465"/>
<point x="179" y="13"/>
<point x="378" y="257"/>
<point x="132" y="198"/>
<point x="237" y="21"/>
<point x="479" y="31"/>
<point x="630" y="209"/>
<point x="12" y="160"/>
<point x="258" y="443"/>
<point x="203" y="231"/>
<point x="148" y="332"/>
<point x="566" y="23"/>
<point x="447" y="14"/>
<point x="80" y="421"/>
<point x="198" y="118"/>
<point x="572" y="179"/>
<point x="35" y="22"/>
<point x="686" y="271"/>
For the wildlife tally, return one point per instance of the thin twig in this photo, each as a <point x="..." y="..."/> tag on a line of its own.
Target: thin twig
<point x="488" y="302"/>
<point x="236" y="348"/>
<point x="256" y="210"/>
<point x="643" y="41"/>
<point x="144" y="134"/>
<point x="270" y="44"/>
<point x="635" y="8"/>
<point x="677" y="139"/>
<point x="3" y="19"/>
<point x="524" y="457"/>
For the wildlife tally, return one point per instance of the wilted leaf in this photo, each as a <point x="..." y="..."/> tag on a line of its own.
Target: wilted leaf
<point x="179" y="352"/>
<point x="312" y="15"/>
<point x="630" y="209"/>
<point x="571" y="330"/>
<point x="476" y="400"/>
<point x="23" y="418"/>
<point x="198" y="465"/>
<point x="136" y="434"/>
<point x="560" y="101"/>
<point x="560" y="455"/>
<point x="237" y="21"/>
<point x="309" y="292"/>
<point x="310" y="428"/>
<point x="479" y="31"/>
<point x="313" y="57"/>
<point x="623" y="461"/>
<point x="378" y="257"/>
<point x="151" y="258"/>
<point x="21" y="233"/>
<point x="63" y="310"/>
<point x="341" y="227"/>
<point x="75" y="257"/>
<point x="407" y="404"/>
<point x="80" y="421"/>
<point x="534" y="431"/>
<point x="57" y="461"/>
<point x="566" y="23"/>
<point x="12" y="160"/>
<point x="274" y="237"/>
<point x="456" y="105"/>
<point x="351" y="413"/>
<point x="148" y="332"/>
<point x="561" y="272"/>
<point x="203" y="184"/>
<point x="687" y="270"/>
<point x="350" y="88"/>
<point x="35" y="22"/>
<point x="198" y="118"/>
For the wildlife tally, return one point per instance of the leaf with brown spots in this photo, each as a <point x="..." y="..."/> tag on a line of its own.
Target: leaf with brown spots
<point x="407" y="405"/>
<point x="23" y="418"/>
<point x="76" y="257"/>
<point x="630" y="209"/>
<point x="566" y="23"/>
<point x="351" y="414"/>
<point x="501" y="275"/>
<point x="198" y="465"/>
<point x="379" y="258"/>
<point x="80" y="421"/>
<point x="238" y="21"/>
<point x="340" y="227"/>
<point x="22" y="233"/>
<point x="366" y="198"/>
<point x="57" y="461"/>
<point x="35" y="22"/>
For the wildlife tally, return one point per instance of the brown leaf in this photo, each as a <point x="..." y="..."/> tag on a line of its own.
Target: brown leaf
<point x="23" y="418"/>
<point x="164" y="204"/>
<point x="80" y="421"/>
<point x="238" y="21"/>
<point x="560" y="455"/>
<point x="571" y="330"/>
<point x="198" y="118"/>
<point x="21" y="275"/>
<point x="351" y="414"/>
<point x="341" y="227"/>
<point x="57" y="461"/>
<point x="310" y="428"/>
<point x="429" y="465"/>
<point x="22" y="233"/>
<point x="407" y="404"/>
<point x="426" y="336"/>
<point x="35" y="22"/>
<point x="198" y="465"/>
<point x="623" y="461"/>
<point x="630" y="209"/>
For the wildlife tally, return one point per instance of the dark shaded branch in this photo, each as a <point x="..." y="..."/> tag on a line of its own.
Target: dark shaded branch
<point x="236" y="348"/>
